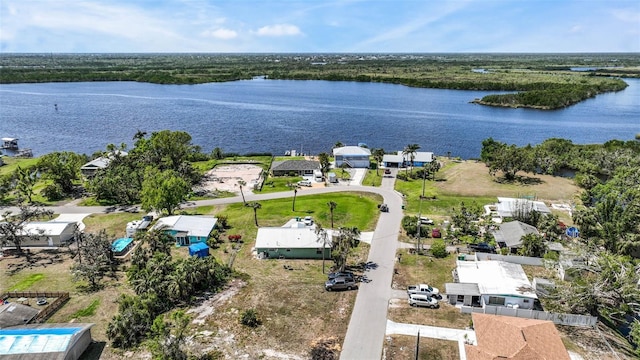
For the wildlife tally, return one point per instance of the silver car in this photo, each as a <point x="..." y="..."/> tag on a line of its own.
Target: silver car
<point x="340" y="283"/>
<point x="423" y="300"/>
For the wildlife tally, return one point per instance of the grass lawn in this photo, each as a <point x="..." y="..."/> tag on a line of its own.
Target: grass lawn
<point x="403" y="347"/>
<point x="278" y="184"/>
<point x="114" y="224"/>
<point x="12" y="163"/>
<point x="373" y="179"/>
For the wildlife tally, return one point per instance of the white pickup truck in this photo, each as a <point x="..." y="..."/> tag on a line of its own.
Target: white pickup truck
<point x="423" y="289"/>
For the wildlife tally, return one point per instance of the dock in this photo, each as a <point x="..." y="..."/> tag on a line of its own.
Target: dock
<point x="11" y="144"/>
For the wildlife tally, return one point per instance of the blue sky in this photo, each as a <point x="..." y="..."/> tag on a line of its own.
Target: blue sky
<point x="319" y="26"/>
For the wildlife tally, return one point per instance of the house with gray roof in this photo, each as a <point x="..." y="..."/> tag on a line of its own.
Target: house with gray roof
<point x="294" y="167"/>
<point x="90" y="169"/>
<point x="399" y="159"/>
<point x="510" y="234"/>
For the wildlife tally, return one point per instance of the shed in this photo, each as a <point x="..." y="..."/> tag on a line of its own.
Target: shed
<point x="463" y="294"/>
<point x="48" y="233"/>
<point x="199" y="249"/>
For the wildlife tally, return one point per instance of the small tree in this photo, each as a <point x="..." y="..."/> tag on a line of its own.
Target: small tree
<point x="255" y="206"/>
<point x="323" y="236"/>
<point x="26" y="179"/>
<point x="533" y="245"/>
<point x="163" y="190"/>
<point x="439" y="249"/>
<point x="332" y="206"/>
<point x="342" y="244"/>
<point x="169" y="337"/>
<point x="242" y="183"/>
<point x="378" y="155"/>
<point x="94" y="258"/>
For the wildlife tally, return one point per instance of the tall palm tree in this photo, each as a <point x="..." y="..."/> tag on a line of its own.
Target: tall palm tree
<point x="322" y="235"/>
<point x="255" y="206"/>
<point x="410" y="150"/>
<point x="378" y="155"/>
<point x="242" y="183"/>
<point x="295" y="192"/>
<point x="332" y="205"/>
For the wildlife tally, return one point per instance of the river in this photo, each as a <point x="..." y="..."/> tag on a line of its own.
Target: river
<point x="310" y="116"/>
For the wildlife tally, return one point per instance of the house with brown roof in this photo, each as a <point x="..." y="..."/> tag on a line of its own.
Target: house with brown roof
<point x="505" y="337"/>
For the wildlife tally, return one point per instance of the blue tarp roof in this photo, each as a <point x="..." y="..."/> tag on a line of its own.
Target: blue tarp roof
<point x="198" y="246"/>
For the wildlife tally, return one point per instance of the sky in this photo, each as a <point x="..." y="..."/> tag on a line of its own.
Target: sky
<point x="319" y="26"/>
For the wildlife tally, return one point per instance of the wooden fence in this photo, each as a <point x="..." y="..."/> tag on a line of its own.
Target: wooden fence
<point x="557" y="318"/>
<point x="60" y="299"/>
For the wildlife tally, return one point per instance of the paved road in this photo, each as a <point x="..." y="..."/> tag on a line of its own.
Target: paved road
<point x="365" y="335"/>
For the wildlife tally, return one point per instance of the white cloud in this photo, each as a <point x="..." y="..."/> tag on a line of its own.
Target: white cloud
<point x="223" y="34"/>
<point x="279" y="30"/>
<point x="575" y="29"/>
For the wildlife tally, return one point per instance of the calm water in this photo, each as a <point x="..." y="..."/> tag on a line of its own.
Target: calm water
<point x="274" y="116"/>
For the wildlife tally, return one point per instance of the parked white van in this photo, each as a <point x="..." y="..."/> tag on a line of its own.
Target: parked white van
<point x="423" y="300"/>
<point x="304" y="183"/>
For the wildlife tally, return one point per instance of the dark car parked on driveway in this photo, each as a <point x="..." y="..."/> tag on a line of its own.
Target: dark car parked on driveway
<point x="482" y="247"/>
<point x="340" y="283"/>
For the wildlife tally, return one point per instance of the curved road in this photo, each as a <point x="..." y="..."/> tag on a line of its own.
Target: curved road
<point x="366" y="331"/>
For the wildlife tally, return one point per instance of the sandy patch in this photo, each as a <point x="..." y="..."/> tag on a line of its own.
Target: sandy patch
<point x="208" y="306"/>
<point x="226" y="178"/>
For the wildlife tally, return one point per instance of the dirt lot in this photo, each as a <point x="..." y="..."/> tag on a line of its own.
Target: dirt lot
<point x="226" y="178"/>
<point x="472" y="178"/>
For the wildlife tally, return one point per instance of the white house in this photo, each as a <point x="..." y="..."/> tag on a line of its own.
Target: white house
<point x="508" y="207"/>
<point x="295" y="241"/>
<point x="499" y="283"/>
<point x="48" y="233"/>
<point x="352" y="156"/>
<point x="402" y="160"/>
<point x="187" y="229"/>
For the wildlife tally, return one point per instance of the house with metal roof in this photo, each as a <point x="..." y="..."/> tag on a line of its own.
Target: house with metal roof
<point x="292" y="241"/>
<point x="187" y="229"/>
<point x="506" y="337"/>
<point x="352" y="156"/>
<point x="295" y="167"/>
<point x="47" y="233"/>
<point x="90" y="169"/>
<point x="508" y="207"/>
<point x="402" y="160"/>
<point x="509" y="235"/>
<point x="499" y="283"/>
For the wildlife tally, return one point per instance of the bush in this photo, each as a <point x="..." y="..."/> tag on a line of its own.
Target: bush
<point x="250" y="318"/>
<point x="439" y="249"/>
<point x="53" y="192"/>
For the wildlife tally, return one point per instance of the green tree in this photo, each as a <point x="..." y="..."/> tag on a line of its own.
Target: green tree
<point x="325" y="164"/>
<point x="13" y="225"/>
<point x="255" y="206"/>
<point x="439" y="249"/>
<point x="533" y="245"/>
<point x="378" y="155"/>
<point x="63" y="168"/>
<point x="169" y="337"/>
<point x="465" y="218"/>
<point x="410" y="151"/>
<point x="94" y="258"/>
<point x="332" y="206"/>
<point x="217" y="153"/>
<point x="163" y="191"/>
<point x="323" y="237"/>
<point x="346" y="239"/>
<point x="242" y="183"/>
<point x="26" y="179"/>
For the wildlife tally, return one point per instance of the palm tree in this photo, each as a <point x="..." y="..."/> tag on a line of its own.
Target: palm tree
<point x="322" y="235"/>
<point x="410" y="150"/>
<point x="434" y="167"/>
<point x="242" y="183"/>
<point x="295" y="192"/>
<point x="332" y="205"/>
<point x="378" y="154"/>
<point x="255" y="206"/>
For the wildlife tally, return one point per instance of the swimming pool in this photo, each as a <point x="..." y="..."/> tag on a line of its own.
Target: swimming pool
<point x="121" y="246"/>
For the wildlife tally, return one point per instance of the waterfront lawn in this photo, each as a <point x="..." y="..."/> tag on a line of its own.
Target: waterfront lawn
<point x="373" y="179"/>
<point x="12" y="163"/>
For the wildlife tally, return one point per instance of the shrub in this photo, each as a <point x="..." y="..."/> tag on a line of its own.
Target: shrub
<point x="439" y="249"/>
<point x="53" y="192"/>
<point x="249" y="318"/>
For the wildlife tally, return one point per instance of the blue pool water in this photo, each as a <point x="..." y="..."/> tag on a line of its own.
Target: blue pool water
<point x="120" y="244"/>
